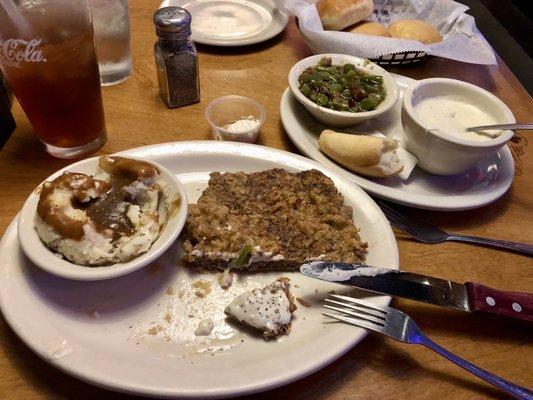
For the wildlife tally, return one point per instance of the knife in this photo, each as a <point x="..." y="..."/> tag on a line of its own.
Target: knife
<point x="467" y="297"/>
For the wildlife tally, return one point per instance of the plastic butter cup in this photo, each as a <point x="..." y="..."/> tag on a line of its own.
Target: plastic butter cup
<point x="235" y="118"/>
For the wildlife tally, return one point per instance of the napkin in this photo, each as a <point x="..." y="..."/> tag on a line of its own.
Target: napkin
<point x="462" y="41"/>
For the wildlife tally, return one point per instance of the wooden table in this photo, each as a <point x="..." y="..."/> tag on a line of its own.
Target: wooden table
<point x="377" y="368"/>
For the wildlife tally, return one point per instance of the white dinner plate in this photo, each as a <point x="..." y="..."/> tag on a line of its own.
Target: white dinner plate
<point x="485" y="182"/>
<point x="232" y="22"/>
<point x="135" y="333"/>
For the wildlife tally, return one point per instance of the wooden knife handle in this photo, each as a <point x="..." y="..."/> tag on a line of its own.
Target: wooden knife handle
<point x="511" y="304"/>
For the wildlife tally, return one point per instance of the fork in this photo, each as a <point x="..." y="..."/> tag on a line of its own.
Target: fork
<point x="430" y="234"/>
<point x="400" y="326"/>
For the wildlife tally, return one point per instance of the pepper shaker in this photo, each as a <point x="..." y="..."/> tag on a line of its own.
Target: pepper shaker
<point x="176" y="57"/>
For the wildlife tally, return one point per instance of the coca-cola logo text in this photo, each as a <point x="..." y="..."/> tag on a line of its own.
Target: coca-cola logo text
<point x="15" y="51"/>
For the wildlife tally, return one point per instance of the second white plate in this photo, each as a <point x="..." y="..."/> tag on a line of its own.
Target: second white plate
<point x="232" y="22"/>
<point x="488" y="180"/>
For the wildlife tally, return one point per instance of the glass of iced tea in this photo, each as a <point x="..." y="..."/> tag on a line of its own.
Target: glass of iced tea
<point x="47" y="55"/>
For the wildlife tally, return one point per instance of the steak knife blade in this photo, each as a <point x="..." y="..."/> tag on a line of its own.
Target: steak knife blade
<point x="467" y="297"/>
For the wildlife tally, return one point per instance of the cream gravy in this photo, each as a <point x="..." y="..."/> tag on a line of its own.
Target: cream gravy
<point x="453" y="114"/>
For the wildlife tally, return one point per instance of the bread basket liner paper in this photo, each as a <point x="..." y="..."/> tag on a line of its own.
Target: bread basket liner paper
<point x="462" y="41"/>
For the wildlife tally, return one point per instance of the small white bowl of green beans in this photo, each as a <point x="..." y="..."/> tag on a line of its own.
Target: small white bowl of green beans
<point x="340" y="90"/>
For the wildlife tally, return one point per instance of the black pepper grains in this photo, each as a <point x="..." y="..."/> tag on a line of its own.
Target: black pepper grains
<point x="176" y="57"/>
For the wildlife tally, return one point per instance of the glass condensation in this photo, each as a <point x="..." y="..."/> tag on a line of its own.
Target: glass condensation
<point x="111" y="21"/>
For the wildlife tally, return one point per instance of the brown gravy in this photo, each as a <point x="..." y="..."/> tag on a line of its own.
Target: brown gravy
<point x="108" y="211"/>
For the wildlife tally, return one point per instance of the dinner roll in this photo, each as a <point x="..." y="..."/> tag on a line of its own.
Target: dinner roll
<point x="369" y="28"/>
<point x="365" y="155"/>
<point x="339" y="14"/>
<point x="415" y="29"/>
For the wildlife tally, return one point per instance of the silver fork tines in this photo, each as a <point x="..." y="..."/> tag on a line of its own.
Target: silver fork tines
<point x="361" y="306"/>
<point x="359" y="314"/>
<point x="430" y="234"/>
<point x="400" y="326"/>
<point x="353" y="321"/>
<point x="362" y="303"/>
<point x="424" y="232"/>
<point x="365" y="315"/>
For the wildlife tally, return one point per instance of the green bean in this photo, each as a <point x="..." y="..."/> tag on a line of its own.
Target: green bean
<point x="305" y="89"/>
<point x="372" y="80"/>
<point x="337" y="101"/>
<point x="368" y="104"/>
<point x="336" y="88"/>
<point x="322" y="99"/>
<point x="348" y="67"/>
<point x="351" y="75"/>
<point x="243" y="256"/>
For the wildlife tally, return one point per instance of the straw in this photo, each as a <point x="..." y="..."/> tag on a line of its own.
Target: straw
<point x="16" y="17"/>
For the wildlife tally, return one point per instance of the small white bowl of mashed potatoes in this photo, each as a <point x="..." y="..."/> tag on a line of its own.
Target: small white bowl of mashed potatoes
<point x="435" y="115"/>
<point x="103" y="217"/>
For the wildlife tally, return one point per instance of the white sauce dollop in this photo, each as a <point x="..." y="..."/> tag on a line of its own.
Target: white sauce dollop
<point x="453" y="114"/>
<point x="265" y="309"/>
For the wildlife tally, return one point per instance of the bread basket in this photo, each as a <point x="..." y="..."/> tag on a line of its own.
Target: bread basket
<point x="461" y="40"/>
<point x="403" y="58"/>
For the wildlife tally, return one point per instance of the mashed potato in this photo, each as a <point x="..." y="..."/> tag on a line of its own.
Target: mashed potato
<point x="110" y="217"/>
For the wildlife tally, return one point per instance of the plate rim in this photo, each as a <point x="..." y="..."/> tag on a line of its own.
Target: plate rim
<point x="418" y="201"/>
<point x="283" y="19"/>
<point x="227" y="148"/>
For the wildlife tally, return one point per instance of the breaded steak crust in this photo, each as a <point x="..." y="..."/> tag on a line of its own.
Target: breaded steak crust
<point x="281" y="218"/>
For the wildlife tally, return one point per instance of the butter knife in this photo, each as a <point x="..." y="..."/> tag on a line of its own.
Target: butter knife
<point x="469" y="297"/>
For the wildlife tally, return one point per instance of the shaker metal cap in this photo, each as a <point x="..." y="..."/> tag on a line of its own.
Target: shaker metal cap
<point x="172" y="23"/>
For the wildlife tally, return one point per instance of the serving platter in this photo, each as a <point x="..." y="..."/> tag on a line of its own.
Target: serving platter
<point x="231" y="23"/>
<point x="485" y="182"/>
<point x="134" y="333"/>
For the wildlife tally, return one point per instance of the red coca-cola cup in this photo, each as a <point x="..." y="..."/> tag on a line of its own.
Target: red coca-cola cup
<point x="48" y="57"/>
